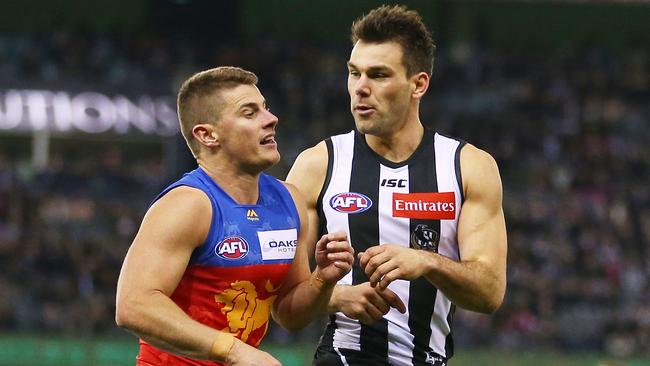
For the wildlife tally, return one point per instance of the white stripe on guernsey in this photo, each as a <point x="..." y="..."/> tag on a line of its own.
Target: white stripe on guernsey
<point x="345" y="362"/>
<point x="395" y="230"/>
<point x="448" y="246"/>
<point x="447" y="182"/>
<point x="339" y="183"/>
<point x="439" y="326"/>
<point x="347" y="333"/>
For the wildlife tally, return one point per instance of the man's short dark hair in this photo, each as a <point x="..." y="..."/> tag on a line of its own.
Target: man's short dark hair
<point x="396" y="23"/>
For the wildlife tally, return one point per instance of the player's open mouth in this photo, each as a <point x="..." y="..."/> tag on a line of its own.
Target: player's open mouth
<point x="269" y="140"/>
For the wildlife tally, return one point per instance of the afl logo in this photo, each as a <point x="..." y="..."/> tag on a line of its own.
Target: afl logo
<point x="350" y="202"/>
<point x="232" y="247"/>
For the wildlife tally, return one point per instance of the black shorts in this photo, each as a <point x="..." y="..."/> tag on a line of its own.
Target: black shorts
<point x="328" y="356"/>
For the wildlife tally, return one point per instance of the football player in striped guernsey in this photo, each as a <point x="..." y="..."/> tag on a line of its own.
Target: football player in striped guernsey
<point x="422" y="210"/>
<point x="222" y="249"/>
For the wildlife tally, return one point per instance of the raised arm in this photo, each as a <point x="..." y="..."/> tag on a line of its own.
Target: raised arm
<point x="477" y="282"/>
<point x="172" y="228"/>
<point x="308" y="175"/>
<point x="304" y="296"/>
<point x="361" y="301"/>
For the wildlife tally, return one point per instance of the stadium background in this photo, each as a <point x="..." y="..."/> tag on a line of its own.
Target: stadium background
<point x="557" y="91"/>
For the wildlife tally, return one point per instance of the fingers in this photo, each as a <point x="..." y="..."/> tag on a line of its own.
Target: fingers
<point x="370" y="306"/>
<point x="372" y="314"/>
<point x="378" y="303"/>
<point x="376" y="265"/>
<point x="367" y="304"/>
<point x="336" y="249"/>
<point x="339" y="246"/>
<point x="334" y="258"/>
<point x="337" y="236"/>
<point x="384" y="274"/>
<point x="365" y="257"/>
<point x="374" y="257"/>
<point x="340" y="256"/>
<point x="393" y="300"/>
<point x="336" y="242"/>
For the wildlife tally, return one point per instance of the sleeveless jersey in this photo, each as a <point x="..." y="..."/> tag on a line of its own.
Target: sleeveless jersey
<point x="415" y="203"/>
<point x="232" y="279"/>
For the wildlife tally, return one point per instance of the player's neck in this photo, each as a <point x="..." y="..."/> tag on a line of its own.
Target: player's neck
<point x="241" y="186"/>
<point x="399" y="145"/>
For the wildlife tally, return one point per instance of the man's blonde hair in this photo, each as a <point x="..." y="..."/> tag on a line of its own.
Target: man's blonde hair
<point x="199" y="98"/>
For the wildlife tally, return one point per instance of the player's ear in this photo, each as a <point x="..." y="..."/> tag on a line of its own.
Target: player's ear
<point x="420" y="84"/>
<point x="206" y="134"/>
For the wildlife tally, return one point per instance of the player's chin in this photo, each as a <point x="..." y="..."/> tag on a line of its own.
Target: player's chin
<point x="270" y="158"/>
<point x="366" y="126"/>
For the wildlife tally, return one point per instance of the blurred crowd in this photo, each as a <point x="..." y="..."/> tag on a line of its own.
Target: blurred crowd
<point x="569" y="127"/>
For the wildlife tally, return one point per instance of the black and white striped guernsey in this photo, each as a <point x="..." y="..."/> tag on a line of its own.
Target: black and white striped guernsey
<point x="414" y="203"/>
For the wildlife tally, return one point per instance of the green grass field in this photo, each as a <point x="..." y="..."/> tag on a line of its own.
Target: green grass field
<point x="52" y="351"/>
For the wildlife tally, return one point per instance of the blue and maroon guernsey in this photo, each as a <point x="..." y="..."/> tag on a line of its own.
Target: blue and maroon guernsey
<point x="232" y="279"/>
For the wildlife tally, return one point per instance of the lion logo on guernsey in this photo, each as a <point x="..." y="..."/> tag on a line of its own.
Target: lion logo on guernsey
<point x="232" y="247"/>
<point x="350" y="202"/>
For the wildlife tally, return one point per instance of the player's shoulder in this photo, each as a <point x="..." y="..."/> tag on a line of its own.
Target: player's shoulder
<point x="479" y="168"/>
<point x="473" y="155"/>
<point x="314" y="154"/>
<point x="183" y="214"/>
<point x="183" y="197"/>
<point x="309" y="171"/>
<point x="310" y="165"/>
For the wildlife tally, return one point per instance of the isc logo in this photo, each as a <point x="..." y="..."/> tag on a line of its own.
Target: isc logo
<point x="350" y="202"/>
<point x="232" y="247"/>
<point x="393" y="183"/>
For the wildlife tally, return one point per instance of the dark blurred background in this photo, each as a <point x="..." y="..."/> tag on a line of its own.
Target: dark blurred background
<point x="557" y="91"/>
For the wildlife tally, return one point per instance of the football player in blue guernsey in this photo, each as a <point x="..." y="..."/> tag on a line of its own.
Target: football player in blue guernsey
<point x="422" y="210"/>
<point x="223" y="248"/>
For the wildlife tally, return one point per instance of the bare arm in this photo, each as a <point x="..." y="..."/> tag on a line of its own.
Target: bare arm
<point x="477" y="282"/>
<point x="172" y="228"/>
<point x="308" y="175"/>
<point x="360" y="301"/>
<point x="304" y="296"/>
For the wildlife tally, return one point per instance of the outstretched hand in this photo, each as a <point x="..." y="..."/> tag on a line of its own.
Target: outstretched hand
<point x="385" y="263"/>
<point x="334" y="257"/>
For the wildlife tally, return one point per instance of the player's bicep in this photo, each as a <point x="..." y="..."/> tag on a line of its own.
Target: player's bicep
<point x="172" y="228"/>
<point x="300" y="267"/>
<point x="481" y="228"/>
<point x="308" y="176"/>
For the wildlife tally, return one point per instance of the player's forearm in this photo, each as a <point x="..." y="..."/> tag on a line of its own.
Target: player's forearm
<point x="161" y="323"/>
<point x="304" y="303"/>
<point x="468" y="284"/>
